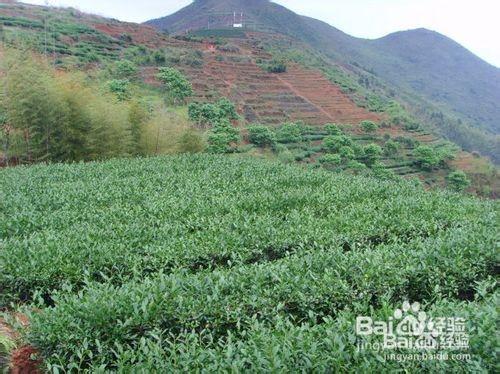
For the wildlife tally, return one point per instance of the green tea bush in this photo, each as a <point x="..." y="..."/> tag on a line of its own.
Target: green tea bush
<point x="202" y="262"/>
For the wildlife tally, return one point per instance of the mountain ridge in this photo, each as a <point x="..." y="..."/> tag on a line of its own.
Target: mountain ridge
<point x="420" y="62"/>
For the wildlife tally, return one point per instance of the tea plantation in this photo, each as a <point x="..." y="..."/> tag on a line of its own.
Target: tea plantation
<point x="228" y="264"/>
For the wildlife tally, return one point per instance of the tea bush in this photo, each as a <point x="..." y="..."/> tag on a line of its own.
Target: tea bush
<point x="225" y="263"/>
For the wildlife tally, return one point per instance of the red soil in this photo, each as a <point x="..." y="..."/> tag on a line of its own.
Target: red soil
<point x="299" y="94"/>
<point x="25" y="361"/>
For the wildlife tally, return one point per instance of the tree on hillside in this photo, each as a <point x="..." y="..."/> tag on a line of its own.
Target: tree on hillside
<point x="391" y="148"/>
<point x="223" y="137"/>
<point x="261" y="135"/>
<point x="177" y="85"/>
<point x="334" y="143"/>
<point x="347" y="153"/>
<point x="333" y="129"/>
<point x="121" y="88"/>
<point x="458" y="181"/>
<point x="330" y="160"/>
<point x="426" y="157"/>
<point x="125" y="69"/>
<point x="372" y="154"/>
<point x="290" y="133"/>
<point x="227" y="109"/>
<point x="208" y="114"/>
<point x="369" y="126"/>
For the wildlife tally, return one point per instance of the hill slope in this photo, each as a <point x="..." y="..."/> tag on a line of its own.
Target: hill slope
<point x="418" y="62"/>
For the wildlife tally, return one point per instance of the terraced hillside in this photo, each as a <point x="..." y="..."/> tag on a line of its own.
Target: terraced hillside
<point x="232" y="67"/>
<point x="298" y="94"/>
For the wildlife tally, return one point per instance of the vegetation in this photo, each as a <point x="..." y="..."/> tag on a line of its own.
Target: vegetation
<point x="223" y="137"/>
<point x="253" y="269"/>
<point x="176" y="84"/>
<point x="428" y="157"/>
<point x="369" y="126"/>
<point x="209" y="114"/>
<point x="261" y="136"/>
<point x="458" y="181"/>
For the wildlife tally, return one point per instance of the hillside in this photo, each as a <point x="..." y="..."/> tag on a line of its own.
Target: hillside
<point x="452" y="81"/>
<point x="260" y="267"/>
<point x="312" y="90"/>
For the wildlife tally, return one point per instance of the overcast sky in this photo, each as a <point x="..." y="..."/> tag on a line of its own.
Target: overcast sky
<point x="473" y="23"/>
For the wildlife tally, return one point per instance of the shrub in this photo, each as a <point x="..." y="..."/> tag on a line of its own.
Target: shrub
<point x="290" y="133"/>
<point x="411" y="126"/>
<point x="333" y="129"/>
<point x="227" y="109"/>
<point x="276" y="66"/>
<point x="191" y="142"/>
<point x="125" y="69"/>
<point x="330" y="159"/>
<point x="261" y="135"/>
<point x="458" y="181"/>
<point x="369" y="126"/>
<point x="426" y="157"/>
<point x="391" y="148"/>
<point x="372" y="153"/>
<point x="347" y="153"/>
<point x="356" y="167"/>
<point x="121" y="88"/>
<point x="207" y="114"/>
<point x="228" y="47"/>
<point x="223" y="137"/>
<point x="177" y="85"/>
<point x="334" y="143"/>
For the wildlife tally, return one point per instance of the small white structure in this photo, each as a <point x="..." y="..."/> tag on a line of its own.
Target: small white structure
<point x="236" y="24"/>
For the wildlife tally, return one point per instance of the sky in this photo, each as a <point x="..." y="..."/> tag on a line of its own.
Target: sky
<point x="473" y="23"/>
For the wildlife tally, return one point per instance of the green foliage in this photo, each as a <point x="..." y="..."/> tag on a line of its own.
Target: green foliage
<point x="369" y="126"/>
<point x="223" y="137"/>
<point x="229" y="47"/>
<point x="333" y="129"/>
<point x="6" y="346"/>
<point x="124" y="70"/>
<point x="261" y="135"/>
<point x="372" y="154"/>
<point x="191" y="142"/>
<point x="429" y="158"/>
<point x="290" y="133"/>
<point x="208" y="114"/>
<point x="334" y="143"/>
<point x="176" y="84"/>
<point x="227" y="109"/>
<point x="330" y="160"/>
<point x="391" y="148"/>
<point x="121" y="88"/>
<point x="356" y="167"/>
<point x="138" y="116"/>
<point x="276" y="66"/>
<point x="347" y="153"/>
<point x="170" y="275"/>
<point x="59" y="117"/>
<point x="458" y="181"/>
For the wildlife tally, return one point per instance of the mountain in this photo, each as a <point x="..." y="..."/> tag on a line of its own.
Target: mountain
<point x="431" y="69"/>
